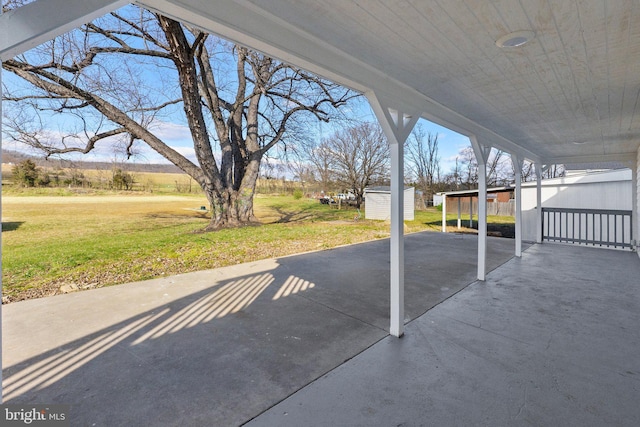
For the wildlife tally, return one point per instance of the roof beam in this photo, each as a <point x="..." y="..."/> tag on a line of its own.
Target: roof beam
<point x="620" y="157"/>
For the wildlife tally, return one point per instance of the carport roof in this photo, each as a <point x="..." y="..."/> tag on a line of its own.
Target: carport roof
<point x="467" y="193"/>
<point x="383" y="189"/>
<point x="571" y="94"/>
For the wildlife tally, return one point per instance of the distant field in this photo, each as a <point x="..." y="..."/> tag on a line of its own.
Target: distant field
<point x="162" y="182"/>
<point x="143" y="181"/>
<point x="82" y="238"/>
<point x="99" y="240"/>
<point x="154" y="182"/>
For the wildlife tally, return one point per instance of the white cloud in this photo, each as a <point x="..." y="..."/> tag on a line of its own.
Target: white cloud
<point x="188" y="152"/>
<point x="171" y="131"/>
<point x="176" y="136"/>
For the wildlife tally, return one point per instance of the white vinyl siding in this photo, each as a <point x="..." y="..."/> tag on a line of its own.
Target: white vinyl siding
<point x="601" y="190"/>
<point x="378" y="204"/>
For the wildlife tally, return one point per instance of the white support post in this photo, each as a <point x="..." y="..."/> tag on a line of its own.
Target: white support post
<point x="517" y="166"/>
<point x="397" y="126"/>
<point x="482" y="155"/>
<point x="470" y="211"/>
<point x="396" y="327"/>
<point x="459" y="214"/>
<point x="1" y="325"/>
<point x="634" y="165"/>
<point x="444" y="213"/>
<point x="634" y="203"/>
<point x="538" y="203"/>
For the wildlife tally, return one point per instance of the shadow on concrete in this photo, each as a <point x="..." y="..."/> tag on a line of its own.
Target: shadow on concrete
<point x="197" y="350"/>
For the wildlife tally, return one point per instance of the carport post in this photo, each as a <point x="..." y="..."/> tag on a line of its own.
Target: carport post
<point x="471" y="211"/>
<point x="396" y="125"/>
<point x="459" y="215"/>
<point x="517" y="166"/>
<point x="482" y="155"/>
<point x="444" y="213"/>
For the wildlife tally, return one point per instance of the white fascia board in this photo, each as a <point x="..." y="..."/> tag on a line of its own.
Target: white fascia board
<point x="616" y="175"/>
<point x="621" y="157"/>
<point x="245" y="23"/>
<point x="28" y="26"/>
<point x="475" y="191"/>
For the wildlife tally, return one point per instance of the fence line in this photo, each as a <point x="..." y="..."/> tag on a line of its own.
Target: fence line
<point x="595" y="227"/>
<point x="493" y="208"/>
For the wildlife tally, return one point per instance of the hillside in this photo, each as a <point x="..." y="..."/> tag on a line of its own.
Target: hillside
<point x="14" y="157"/>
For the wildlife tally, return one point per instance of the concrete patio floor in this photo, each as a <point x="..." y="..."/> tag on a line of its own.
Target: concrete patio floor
<point x="219" y="347"/>
<point x="550" y="338"/>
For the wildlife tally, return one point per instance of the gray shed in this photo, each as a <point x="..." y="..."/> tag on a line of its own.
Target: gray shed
<point x="378" y="203"/>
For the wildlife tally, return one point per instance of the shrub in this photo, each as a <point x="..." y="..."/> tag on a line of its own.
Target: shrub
<point x="43" y="180"/>
<point x="25" y="174"/>
<point x="122" y="180"/>
<point x="297" y="194"/>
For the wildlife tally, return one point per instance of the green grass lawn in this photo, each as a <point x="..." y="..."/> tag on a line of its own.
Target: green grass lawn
<point x="99" y="240"/>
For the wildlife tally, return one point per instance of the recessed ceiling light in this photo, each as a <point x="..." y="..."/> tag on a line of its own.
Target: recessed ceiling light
<point x="515" y="39"/>
<point x="579" y="142"/>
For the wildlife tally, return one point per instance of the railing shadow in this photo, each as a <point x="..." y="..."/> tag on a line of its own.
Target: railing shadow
<point x="225" y="299"/>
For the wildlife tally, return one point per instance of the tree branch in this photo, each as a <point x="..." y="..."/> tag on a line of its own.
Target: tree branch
<point x="58" y="86"/>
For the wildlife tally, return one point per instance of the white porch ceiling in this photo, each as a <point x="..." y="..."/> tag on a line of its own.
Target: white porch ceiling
<point x="577" y="80"/>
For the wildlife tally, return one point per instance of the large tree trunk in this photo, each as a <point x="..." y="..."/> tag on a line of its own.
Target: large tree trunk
<point x="230" y="209"/>
<point x="234" y="208"/>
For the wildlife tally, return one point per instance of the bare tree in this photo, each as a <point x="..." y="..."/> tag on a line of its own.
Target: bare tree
<point x="360" y="156"/>
<point x="423" y="160"/>
<point x="468" y="168"/>
<point x="499" y="168"/>
<point x="553" y="171"/>
<point x="528" y="170"/>
<point x="452" y="180"/>
<point x="322" y="161"/>
<point x="237" y="104"/>
<point x="303" y="171"/>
